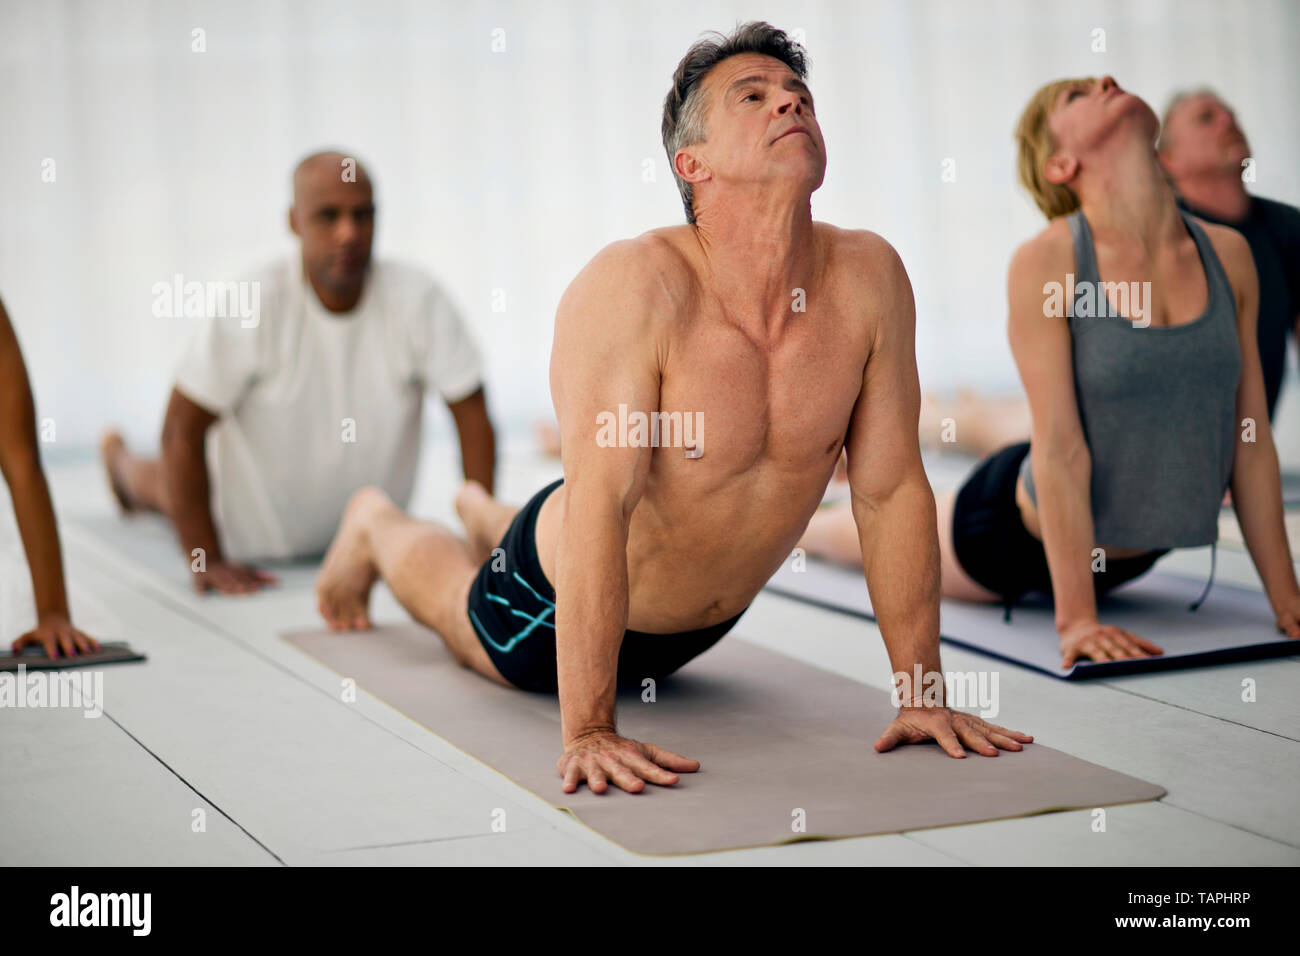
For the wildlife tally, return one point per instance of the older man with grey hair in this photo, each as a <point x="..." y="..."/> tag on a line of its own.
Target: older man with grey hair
<point x="786" y="339"/>
<point x="1207" y="158"/>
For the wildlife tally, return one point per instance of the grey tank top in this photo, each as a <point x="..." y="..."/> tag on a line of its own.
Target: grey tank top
<point x="1158" y="407"/>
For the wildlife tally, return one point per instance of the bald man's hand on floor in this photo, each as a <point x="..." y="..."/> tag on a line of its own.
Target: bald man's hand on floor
<point x="228" y="577"/>
<point x="952" y="729"/>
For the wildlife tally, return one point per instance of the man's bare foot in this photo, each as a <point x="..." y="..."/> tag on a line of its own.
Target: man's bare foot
<point x="112" y="451"/>
<point x="548" y="439"/>
<point x="348" y="573"/>
<point x="485" y="519"/>
<point x="935" y="411"/>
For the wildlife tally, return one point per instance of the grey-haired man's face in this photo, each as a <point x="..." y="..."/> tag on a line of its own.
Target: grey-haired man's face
<point x="760" y="124"/>
<point x="1202" y="136"/>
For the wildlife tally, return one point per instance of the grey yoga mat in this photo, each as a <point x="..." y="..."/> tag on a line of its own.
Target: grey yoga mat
<point x="778" y="741"/>
<point x="1233" y="624"/>
<point x="110" y="652"/>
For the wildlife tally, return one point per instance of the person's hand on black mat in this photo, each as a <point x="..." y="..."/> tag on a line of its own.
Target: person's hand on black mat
<point x="953" y="730"/>
<point x="604" y="756"/>
<point x="227" y="577"/>
<point x="1095" y="641"/>
<point x="55" y="633"/>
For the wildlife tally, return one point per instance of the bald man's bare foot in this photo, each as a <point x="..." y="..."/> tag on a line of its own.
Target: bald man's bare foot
<point x="112" y="452"/>
<point x="348" y="573"/>
<point x="548" y="439"/>
<point x="485" y="519"/>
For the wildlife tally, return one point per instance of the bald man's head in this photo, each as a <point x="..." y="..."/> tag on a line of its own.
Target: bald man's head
<point x="333" y="214"/>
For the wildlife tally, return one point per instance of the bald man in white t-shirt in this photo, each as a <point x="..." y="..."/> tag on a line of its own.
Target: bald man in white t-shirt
<point x="320" y="395"/>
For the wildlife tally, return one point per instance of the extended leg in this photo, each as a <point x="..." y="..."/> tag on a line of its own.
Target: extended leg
<point x="427" y="568"/>
<point x="137" y="482"/>
<point x="485" y="519"/>
<point x="833" y="534"/>
<point x="972" y="424"/>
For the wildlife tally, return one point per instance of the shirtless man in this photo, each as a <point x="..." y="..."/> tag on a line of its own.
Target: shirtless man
<point x="656" y="551"/>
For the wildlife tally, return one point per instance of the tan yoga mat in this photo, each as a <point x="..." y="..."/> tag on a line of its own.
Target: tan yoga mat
<point x="779" y="742"/>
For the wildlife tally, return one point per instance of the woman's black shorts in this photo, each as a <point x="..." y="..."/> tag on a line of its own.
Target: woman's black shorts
<point x="994" y="547"/>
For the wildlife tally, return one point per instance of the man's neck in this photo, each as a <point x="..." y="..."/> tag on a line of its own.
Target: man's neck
<point x="1131" y="199"/>
<point x="758" y="255"/>
<point x="334" y="300"/>
<point x="1220" y="194"/>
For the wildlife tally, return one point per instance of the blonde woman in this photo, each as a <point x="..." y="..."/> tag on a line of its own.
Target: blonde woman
<point x="1133" y="329"/>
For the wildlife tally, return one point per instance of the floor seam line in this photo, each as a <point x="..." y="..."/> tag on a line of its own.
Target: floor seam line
<point x="195" y="790"/>
<point x="1190" y="710"/>
<point x="1228" y="823"/>
<point x="907" y="835"/>
<point x="152" y="591"/>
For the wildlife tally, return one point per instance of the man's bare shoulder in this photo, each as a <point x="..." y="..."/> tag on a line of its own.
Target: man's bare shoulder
<point x="864" y="262"/>
<point x="653" y="270"/>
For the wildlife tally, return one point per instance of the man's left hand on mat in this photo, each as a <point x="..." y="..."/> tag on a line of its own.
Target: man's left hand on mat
<point x="951" y="729"/>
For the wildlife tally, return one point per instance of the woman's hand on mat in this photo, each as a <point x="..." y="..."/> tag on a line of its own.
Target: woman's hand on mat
<point x="55" y="633"/>
<point x="1095" y="641"/>
<point x="604" y="756"/>
<point x="227" y="577"/>
<point x="952" y="729"/>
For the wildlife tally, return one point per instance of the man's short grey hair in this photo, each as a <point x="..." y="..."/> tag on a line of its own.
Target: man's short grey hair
<point x="1163" y="142"/>
<point x="684" y="107"/>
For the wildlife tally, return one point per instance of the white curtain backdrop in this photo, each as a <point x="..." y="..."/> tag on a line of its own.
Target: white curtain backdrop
<point x="508" y="169"/>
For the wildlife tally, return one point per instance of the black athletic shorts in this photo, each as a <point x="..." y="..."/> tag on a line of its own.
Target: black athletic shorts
<point x="512" y="608"/>
<point x="995" y="548"/>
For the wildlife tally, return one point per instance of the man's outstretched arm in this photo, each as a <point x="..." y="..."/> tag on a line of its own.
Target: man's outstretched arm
<point x="894" y="509"/>
<point x="605" y="354"/>
<point x="478" y="445"/>
<point x="185" y="473"/>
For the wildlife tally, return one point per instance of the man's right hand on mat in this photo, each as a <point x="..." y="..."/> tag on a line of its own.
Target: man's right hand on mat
<point x="1095" y="641"/>
<point x="227" y="577"/>
<point x="605" y="756"/>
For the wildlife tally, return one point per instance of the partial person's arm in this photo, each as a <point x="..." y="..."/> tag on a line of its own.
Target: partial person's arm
<point x="894" y="509"/>
<point x="605" y="354"/>
<point x="1256" y="478"/>
<point x="185" y="474"/>
<point x="1060" y="459"/>
<point x="478" y="448"/>
<point x="20" y="462"/>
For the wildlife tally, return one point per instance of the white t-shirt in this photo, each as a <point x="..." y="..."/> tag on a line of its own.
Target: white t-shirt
<point x="314" y="405"/>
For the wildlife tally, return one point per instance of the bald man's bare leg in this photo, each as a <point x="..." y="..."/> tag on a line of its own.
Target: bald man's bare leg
<point x="137" y="482"/>
<point x="427" y="568"/>
<point x="486" y="520"/>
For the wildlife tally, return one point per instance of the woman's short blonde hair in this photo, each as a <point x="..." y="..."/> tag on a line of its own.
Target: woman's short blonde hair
<point x="1035" y="145"/>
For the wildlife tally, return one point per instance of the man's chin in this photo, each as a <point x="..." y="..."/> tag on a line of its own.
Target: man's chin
<point x="347" y="280"/>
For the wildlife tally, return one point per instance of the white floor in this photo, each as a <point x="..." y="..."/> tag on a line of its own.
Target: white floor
<point x="228" y="719"/>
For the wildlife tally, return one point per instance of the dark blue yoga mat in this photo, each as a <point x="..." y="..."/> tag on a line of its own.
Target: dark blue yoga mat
<point x="1233" y="624"/>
